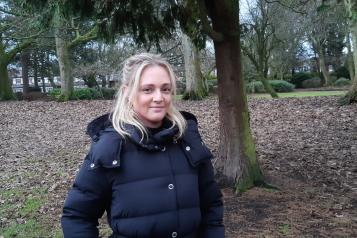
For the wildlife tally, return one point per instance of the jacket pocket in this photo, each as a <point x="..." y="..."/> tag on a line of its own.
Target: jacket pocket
<point x="196" y="152"/>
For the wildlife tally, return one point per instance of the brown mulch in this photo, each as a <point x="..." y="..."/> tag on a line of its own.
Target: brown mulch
<point x="307" y="147"/>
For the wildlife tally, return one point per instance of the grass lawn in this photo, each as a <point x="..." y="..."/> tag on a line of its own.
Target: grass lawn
<point x="300" y="94"/>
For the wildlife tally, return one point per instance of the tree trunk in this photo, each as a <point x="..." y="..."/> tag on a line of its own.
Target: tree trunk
<point x="50" y="79"/>
<point x="237" y="162"/>
<point x="268" y="88"/>
<point x="195" y="87"/>
<point x="25" y="62"/>
<point x="351" y="96"/>
<point x="350" y="65"/>
<point x="63" y="56"/>
<point x="5" y="84"/>
<point x="324" y="70"/>
<point x="65" y="67"/>
<point x="35" y="70"/>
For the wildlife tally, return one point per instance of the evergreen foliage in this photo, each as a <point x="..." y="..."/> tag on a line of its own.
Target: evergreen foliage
<point x="342" y="82"/>
<point x="278" y="85"/>
<point x="314" y="82"/>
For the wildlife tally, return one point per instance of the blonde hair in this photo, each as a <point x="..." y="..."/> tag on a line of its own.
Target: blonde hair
<point x="123" y="112"/>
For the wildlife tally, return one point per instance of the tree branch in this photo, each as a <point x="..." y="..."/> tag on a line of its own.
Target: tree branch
<point x="11" y="54"/>
<point x="289" y="6"/>
<point x="90" y="35"/>
<point x="216" y="36"/>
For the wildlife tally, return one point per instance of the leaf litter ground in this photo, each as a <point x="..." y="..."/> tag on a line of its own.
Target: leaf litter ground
<point x="306" y="147"/>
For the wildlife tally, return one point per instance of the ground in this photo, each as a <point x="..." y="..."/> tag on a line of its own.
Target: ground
<point x="307" y="147"/>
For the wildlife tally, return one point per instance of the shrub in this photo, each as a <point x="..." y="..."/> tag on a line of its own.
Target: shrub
<point x="282" y="86"/>
<point x="108" y="93"/>
<point x="211" y="81"/>
<point x="312" y="83"/>
<point x="277" y="85"/>
<point x="298" y="78"/>
<point x="254" y="87"/>
<point x="333" y="79"/>
<point x="55" y="93"/>
<point x="342" y="82"/>
<point x="212" y="85"/>
<point x="86" y="94"/>
<point x="342" y="72"/>
<point x="19" y="96"/>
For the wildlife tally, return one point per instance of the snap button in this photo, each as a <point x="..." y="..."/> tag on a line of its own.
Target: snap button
<point x="92" y="165"/>
<point x="188" y="148"/>
<point x="174" y="234"/>
<point x="171" y="186"/>
<point x="115" y="162"/>
<point x="163" y="149"/>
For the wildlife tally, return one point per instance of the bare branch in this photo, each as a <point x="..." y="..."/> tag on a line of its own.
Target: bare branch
<point x="290" y="7"/>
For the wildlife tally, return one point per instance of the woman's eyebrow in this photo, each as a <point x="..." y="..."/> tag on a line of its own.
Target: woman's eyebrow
<point x="153" y="85"/>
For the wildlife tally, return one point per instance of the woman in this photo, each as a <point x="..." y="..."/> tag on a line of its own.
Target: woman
<point x="147" y="166"/>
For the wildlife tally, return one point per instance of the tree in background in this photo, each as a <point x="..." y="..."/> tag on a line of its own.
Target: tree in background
<point x="195" y="86"/>
<point x="17" y="32"/>
<point x="259" y="39"/>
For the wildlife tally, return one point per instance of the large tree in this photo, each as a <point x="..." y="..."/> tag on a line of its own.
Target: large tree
<point x="217" y="19"/>
<point x="17" y="32"/>
<point x="351" y="10"/>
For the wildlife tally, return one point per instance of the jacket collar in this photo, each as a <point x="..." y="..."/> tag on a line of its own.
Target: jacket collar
<point x="155" y="141"/>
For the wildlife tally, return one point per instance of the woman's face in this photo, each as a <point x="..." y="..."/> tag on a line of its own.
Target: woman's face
<point x="154" y="96"/>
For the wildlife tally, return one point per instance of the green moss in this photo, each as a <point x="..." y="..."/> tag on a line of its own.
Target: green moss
<point x="254" y="175"/>
<point x="349" y="98"/>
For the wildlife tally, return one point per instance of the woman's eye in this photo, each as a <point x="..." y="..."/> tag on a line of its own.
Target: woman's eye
<point x="166" y="90"/>
<point x="147" y="90"/>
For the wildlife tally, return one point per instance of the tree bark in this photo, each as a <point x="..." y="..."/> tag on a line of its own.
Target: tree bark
<point x="195" y="87"/>
<point x="25" y="62"/>
<point x="350" y="64"/>
<point x="321" y="61"/>
<point x="65" y="67"/>
<point x="324" y="70"/>
<point x="5" y="84"/>
<point x="35" y="70"/>
<point x="237" y="162"/>
<point x="351" y="9"/>
<point x="268" y="88"/>
<point x="5" y="58"/>
<point x="351" y="96"/>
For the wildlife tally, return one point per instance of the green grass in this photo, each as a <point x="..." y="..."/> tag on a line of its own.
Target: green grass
<point x="284" y="229"/>
<point x="301" y="94"/>
<point x="22" y="212"/>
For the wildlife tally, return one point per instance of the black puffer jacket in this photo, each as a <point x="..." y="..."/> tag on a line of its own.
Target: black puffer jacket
<point x="157" y="188"/>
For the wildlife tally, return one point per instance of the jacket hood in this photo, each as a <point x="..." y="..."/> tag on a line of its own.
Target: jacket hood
<point x="101" y="123"/>
<point x="98" y="125"/>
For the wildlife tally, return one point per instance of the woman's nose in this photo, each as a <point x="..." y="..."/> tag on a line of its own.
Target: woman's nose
<point x="158" y="96"/>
